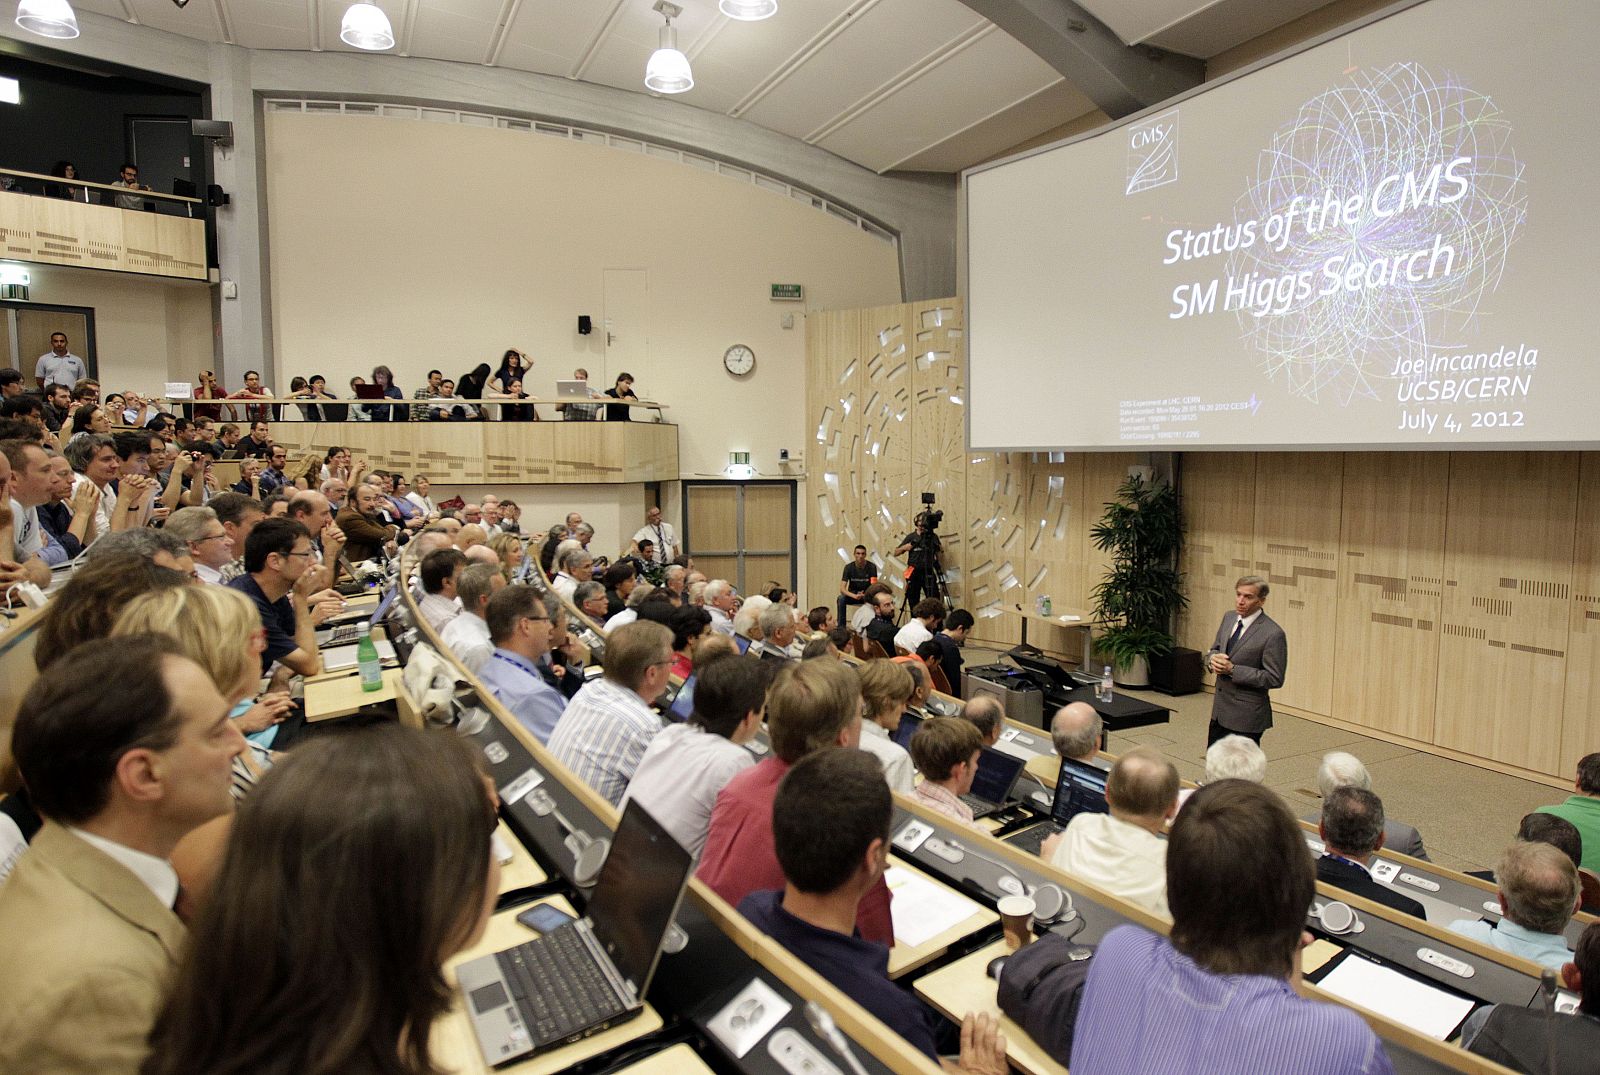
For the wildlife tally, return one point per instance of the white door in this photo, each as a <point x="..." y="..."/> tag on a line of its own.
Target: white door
<point x="626" y="327"/>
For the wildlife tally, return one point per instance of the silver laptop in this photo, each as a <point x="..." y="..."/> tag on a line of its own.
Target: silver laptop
<point x="338" y="658"/>
<point x="572" y="389"/>
<point x="591" y="973"/>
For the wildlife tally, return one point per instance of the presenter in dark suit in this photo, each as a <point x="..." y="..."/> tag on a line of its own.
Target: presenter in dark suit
<point x="1249" y="657"/>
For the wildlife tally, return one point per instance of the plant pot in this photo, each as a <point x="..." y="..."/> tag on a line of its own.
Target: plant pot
<point x="1136" y="674"/>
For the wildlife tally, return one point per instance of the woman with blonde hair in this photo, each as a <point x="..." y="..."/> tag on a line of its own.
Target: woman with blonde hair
<point x="885" y="689"/>
<point x="508" y="547"/>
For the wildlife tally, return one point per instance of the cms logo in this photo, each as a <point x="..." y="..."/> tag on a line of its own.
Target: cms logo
<point x="1148" y="136"/>
<point x="1152" y="153"/>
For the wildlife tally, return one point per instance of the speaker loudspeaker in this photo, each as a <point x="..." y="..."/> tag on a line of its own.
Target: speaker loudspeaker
<point x="585" y="326"/>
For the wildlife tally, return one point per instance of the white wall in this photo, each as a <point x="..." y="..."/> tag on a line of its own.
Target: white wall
<point x="147" y="331"/>
<point x="417" y="244"/>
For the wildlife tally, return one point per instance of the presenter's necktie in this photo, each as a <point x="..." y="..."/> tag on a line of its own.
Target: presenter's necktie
<point x="1238" y="629"/>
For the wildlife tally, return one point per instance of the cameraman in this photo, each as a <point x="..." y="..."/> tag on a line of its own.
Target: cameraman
<point x="921" y="549"/>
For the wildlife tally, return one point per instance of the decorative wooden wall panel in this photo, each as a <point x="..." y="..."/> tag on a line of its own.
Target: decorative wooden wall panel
<point x="1391" y="578"/>
<point x="833" y="394"/>
<point x="1508" y="573"/>
<point x="886" y="500"/>
<point x="57" y="231"/>
<point x="938" y="428"/>
<point x="995" y="525"/>
<point x="1580" y="724"/>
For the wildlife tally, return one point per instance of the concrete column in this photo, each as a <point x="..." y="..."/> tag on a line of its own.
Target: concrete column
<point x="244" y="322"/>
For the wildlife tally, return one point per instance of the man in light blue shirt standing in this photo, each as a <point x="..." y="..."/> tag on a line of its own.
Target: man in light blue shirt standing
<point x="1539" y="892"/>
<point x="59" y="365"/>
<point x="519" y="627"/>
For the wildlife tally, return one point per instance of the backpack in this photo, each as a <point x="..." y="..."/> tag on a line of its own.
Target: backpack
<point x="1041" y="986"/>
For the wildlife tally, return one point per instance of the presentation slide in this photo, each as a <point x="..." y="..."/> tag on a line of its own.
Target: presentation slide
<point x="1384" y="241"/>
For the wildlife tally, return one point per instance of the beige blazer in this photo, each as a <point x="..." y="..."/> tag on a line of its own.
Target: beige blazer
<point x="86" y="955"/>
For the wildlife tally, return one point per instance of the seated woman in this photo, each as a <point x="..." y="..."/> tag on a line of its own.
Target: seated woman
<point x="513" y="564"/>
<point x="623" y="389"/>
<point x="385" y="412"/>
<point x="305" y="958"/>
<point x="507" y="384"/>
<point x="472" y="386"/>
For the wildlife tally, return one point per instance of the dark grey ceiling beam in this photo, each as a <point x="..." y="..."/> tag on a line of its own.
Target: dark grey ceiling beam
<point x="1119" y="79"/>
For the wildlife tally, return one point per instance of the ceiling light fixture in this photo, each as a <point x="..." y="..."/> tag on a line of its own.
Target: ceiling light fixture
<point x="748" y="10"/>
<point x="48" y="18"/>
<point x="365" y="26"/>
<point x="668" y="69"/>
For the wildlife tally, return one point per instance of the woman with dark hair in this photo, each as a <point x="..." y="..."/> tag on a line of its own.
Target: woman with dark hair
<point x="547" y="555"/>
<point x="513" y="367"/>
<point x="90" y="418"/>
<point x="384" y="412"/>
<point x="623" y="389"/>
<point x="356" y="984"/>
<point x="472" y="386"/>
<point x="689" y="624"/>
<point x="66" y="170"/>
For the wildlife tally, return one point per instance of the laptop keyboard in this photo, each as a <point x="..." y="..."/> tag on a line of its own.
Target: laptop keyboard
<point x="557" y="986"/>
<point x="343" y="634"/>
<point x="1031" y="840"/>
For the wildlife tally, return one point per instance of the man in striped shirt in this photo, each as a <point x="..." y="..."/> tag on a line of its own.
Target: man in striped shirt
<point x="1219" y="995"/>
<point x="603" y="734"/>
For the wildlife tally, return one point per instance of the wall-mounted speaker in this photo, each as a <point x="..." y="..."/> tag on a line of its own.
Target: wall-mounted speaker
<point x="216" y="196"/>
<point x="585" y="326"/>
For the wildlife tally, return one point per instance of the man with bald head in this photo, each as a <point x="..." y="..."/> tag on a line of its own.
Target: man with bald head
<point x="1076" y="731"/>
<point x="1124" y="852"/>
<point x="315" y="512"/>
<point x="984" y="712"/>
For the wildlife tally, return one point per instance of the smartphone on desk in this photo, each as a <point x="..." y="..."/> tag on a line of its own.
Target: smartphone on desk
<point x="544" y="918"/>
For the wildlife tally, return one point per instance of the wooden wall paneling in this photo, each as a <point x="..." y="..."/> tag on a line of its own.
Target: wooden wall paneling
<point x="1297" y="551"/>
<point x="1391" y="566"/>
<point x="886" y="424"/>
<point x="1580" y="722"/>
<point x="1508" y="580"/>
<point x="1219" y="496"/>
<point x="59" y="231"/>
<point x="1052" y="542"/>
<point x="938" y="428"/>
<point x="833" y="395"/>
<point x="996" y="538"/>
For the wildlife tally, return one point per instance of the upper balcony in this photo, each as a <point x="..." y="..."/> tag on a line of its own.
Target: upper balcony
<point x="52" y="221"/>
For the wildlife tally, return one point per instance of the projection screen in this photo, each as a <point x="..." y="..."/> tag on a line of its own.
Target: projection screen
<point x="1382" y="241"/>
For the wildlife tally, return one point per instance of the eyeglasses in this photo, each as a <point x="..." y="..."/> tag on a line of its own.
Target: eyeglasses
<point x="308" y="552"/>
<point x="211" y="537"/>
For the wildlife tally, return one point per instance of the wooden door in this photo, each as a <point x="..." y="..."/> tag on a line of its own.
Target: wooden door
<point x="742" y="531"/>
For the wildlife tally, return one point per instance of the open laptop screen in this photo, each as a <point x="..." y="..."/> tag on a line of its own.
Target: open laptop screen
<point x="909" y="723"/>
<point x="997" y="775"/>
<point x="1080" y="789"/>
<point x="638" y="893"/>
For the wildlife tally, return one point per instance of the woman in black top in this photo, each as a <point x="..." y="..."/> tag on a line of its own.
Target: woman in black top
<point x="623" y="389"/>
<point x="471" y="386"/>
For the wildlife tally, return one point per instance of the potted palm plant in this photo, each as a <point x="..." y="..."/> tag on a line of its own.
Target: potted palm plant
<point x="1142" y="530"/>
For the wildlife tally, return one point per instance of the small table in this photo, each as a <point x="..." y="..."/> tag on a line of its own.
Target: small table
<point x="906" y="958"/>
<point x="522" y="871"/>
<point x="965" y="986"/>
<point x="678" y="1060"/>
<point x="1073" y="618"/>
<point x="1121" y="713"/>
<point x="340" y="694"/>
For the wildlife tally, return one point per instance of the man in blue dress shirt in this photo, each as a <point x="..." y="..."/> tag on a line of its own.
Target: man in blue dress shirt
<point x="519" y="627"/>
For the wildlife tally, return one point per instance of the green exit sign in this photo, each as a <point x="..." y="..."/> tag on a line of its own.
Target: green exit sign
<point x="788" y="293"/>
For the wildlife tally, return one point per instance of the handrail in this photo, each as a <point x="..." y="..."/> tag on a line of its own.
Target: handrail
<point x="407" y="401"/>
<point x="111" y="188"/>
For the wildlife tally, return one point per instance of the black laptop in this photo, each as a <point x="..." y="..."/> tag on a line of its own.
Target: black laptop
<point x="1080" y="789"/>
<point x="996" y="779"/>
<point x="589" y="974"/>
<point x="909" y="723"/>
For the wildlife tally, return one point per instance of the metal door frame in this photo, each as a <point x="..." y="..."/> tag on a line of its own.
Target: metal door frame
<point x="9" y="307"/>
<point x="739" y="553"/>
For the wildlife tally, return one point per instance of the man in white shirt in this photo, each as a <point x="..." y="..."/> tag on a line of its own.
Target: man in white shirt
<point x="577" y="565"/>
<point x="208" y="541"/>
<point x="777" y="632"/>
<point x="605" y="730"/>
<point x="1125" y="852"/>
<point x="664" y="540"/>
<point x="26" y="485"/>
<point x="441" y="570"/>
<point x="721" y="602"/>
<point x="467" y="635"/>
<point x="925" y="619"/>
<point x="88" y="937"/>
<point x="688" y="764"/>
<point x="59" y="365"/>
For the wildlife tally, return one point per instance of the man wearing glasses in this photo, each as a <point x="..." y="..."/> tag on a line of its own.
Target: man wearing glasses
<point x="277" y="556"/>
<point x="520" y="628"/>
<point x="208" y="542"/>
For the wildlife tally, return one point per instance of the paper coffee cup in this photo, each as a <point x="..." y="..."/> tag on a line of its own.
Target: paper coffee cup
<point x="1016" y="920"/>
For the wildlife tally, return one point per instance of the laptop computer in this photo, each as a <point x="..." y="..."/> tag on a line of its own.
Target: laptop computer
<point x="591" y="973"/>
<point x="338" y="658"/>
<point x="572" y="389"/>
<point x="346" y="627"/>
<point x="367" y="391"/>
<point x="1080" y="789"/>
<point x="992" y="786"/>
<point x="909" y="723"/>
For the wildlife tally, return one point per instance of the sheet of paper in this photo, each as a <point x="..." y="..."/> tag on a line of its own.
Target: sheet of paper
<point x="922" y="908"/>
<point x="1315" y="956"/>
<point x="1418" y="1005"/>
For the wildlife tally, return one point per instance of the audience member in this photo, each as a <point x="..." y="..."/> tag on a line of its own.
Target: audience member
<point x="747" y="620"/>
<point x="313" y="511"/>
<point x="820" y="620"/>
<point x="945" y="751"/>
<point x="881" y="628"/>
<point x="467" y="634"/>
<point x="439" y="572"/>
<point x="985" y="713"/>
<point x="420" y="486"/>
<point x="623" y="389"/>
<point x="33" y="550"/>
<point x="619" y="580"/>
<point x="255" y="413"/>
<point x="70" y="516"/>
<point x="925" y="620"/>
<point x="811" y="705"/>
<point x="207" y="540"/>
<point x="1219" y="994"/>
<point x="1539" y="894"/>
<point x="950" y="638"/>
<point x="1236" y="757"/>
<point x="885" y="689"/>
<point x="367" y="536"/>
<point x="1125" y="851"/>
<point x="687" y="765"/>
<point x="89" y="938"/>
<point x="819" y="646"/>
<point x="239" y="515"/>
<point x="831" y="820"/>
<point x="859" y="574"/>
<point x="1352" y="830"/>
<point x="577" y="564"/>
<point x="721" y="602"/>
<point x="521" y="628"/>
<point x="607" y="727"/>
<point x="302" y="962"/>
<point x="1582" y="808"/>
<point x="59" y="365"/>
<point x="87" y="606"/>
<point x="259" y="440"/>
<point x="777" y="633"/>
<point x="1528" y="1039"/>
<point x="688" y="625"/>
<point x="277" y="556"/>
<point x="590" y="599"/>
<point x="1340" y="770"/>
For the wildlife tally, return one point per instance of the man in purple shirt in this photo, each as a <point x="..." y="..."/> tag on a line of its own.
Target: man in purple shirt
<point x="1219" y="996"/>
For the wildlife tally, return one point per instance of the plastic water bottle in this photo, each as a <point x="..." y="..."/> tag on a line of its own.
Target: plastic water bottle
<point x="1104" y="693"/>
<point x="367" y="661"/>
<point x="1044" y="605"/>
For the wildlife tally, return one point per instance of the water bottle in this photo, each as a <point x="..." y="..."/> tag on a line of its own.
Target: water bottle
<point x="1044" y="605"/>
<point x="367" y="661"/>
<point x="1104" y="693"/>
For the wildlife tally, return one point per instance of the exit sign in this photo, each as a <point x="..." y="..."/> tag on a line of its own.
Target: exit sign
<point x="788" y="293"/>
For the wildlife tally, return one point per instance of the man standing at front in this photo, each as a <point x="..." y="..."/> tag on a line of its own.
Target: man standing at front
<point x="59" y="365"/>
<point x="663" y="538"/>
<point x="1249" y="657"/>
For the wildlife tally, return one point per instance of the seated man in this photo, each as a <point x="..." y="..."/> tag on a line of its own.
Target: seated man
<point x="277" y="558"/>
<point x="1527" y="1039"/>
<point x="1340" y="770"/>
<point x="1582" y="808"/>
<point x="925" y="620"/>
<point x="440" y="571"/>
<point x="88" y="938"/>
<point x="881" y="628"/>
<point x="590" y="598"/>
<point x="687" y="765"/>
<point x="1236" y="757"/>
<point x="721" y="601"/>
<point x="28" y="480"/>
<point x="1075" y="731"/>
<point x="1219" y="995"/>
<point x="520" y="628"/>
<point x="1124" y="851"/>
<point x="830" y="821"/>
<point x="945" y="751"/>
<point x="950" y="638"/>
<point x="69" y="516"/>
<point x="1352" y="830"/>
<point x="985" y="713"/>
<point x="577" y="565"/>
<point x="1538" y="895"/>
<point x="604" y="732"/>
<point x="467" y="635"/>
<point x="777" y="633"/>
<point x="811" y="706"/>
<point x="208" y="543"/>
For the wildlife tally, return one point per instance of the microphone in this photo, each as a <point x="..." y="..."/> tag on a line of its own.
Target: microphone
<point x="828" y="1031"/>
<point x="1547" y="990"/>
